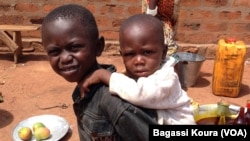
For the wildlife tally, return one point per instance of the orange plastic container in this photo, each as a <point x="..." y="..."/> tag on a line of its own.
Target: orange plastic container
<point x="228" y="67"/>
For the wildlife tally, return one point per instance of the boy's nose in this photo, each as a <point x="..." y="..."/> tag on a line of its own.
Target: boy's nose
<point x="65" y="56"/>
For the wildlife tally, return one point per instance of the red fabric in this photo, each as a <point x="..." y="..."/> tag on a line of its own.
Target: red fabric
<point x="165" y="11"/>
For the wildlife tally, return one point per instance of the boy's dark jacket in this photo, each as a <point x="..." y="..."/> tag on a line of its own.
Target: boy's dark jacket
<point x="102" y="116"/>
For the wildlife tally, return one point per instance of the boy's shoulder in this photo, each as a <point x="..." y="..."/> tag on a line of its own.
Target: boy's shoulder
<point x="109" y="67"/>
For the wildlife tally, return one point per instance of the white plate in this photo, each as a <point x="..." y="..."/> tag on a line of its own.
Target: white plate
<point x="57" y="125"/>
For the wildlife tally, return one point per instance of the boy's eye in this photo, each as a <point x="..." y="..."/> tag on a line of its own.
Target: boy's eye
<point x="76" y="47"/>
<point x="53" y="52"/>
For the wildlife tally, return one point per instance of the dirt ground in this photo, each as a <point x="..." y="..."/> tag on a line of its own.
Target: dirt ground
<point x="31" y="85"/>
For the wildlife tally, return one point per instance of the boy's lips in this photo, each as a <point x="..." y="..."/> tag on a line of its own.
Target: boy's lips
<point x="70" y="69"/>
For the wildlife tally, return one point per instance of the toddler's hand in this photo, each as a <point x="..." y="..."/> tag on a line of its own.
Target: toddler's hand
<point x="87" y="82"/>
<point x="98" y="76"/>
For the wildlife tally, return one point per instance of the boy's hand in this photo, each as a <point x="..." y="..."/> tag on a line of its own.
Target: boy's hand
<point x="98" y="76"/>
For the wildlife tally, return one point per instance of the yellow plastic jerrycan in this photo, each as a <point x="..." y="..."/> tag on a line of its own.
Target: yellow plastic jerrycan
<point x="228" y="67"/>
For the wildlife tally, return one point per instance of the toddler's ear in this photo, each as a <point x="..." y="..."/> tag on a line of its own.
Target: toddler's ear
<point x="100" y="46"/>
<point x="165" y="50"/>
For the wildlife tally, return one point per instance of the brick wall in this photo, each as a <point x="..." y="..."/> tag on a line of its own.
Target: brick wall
<point x="199" y="21"/>
<point x="109" y="13"/>
<point x="206" y="21"/>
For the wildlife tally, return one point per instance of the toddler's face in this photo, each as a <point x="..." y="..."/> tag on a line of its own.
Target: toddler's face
<point x="70" y="50"/>
<point x="142" y="51"/>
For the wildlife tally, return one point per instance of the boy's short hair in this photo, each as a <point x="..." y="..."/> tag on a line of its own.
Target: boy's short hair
<point x="76" y="13"/>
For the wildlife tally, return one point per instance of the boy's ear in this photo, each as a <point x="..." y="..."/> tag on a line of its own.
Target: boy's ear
<point x="120" y="52"/>
<point x="100" y="46"/>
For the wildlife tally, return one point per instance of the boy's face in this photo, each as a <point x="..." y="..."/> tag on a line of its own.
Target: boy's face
<point x="71" y="51"/>
<point x="142" y="51"/>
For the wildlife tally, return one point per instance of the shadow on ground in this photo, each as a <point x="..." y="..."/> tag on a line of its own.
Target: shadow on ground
<point x="7" y="56"/>
<point x="5" y="118"/>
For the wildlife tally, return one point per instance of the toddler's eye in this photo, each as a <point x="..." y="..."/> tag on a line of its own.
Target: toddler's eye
<point x="128" y="54"/>
<point x="147" y="52"/>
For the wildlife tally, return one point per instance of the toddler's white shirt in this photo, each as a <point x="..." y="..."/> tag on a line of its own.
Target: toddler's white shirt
<point x="161" y="91"/>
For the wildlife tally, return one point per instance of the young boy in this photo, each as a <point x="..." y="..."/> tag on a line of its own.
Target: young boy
<point x="149" y="80"/>
<point x="71" y="39"/>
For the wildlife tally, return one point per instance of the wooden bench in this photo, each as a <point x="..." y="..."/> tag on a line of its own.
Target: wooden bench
<point x="11" y="36"/>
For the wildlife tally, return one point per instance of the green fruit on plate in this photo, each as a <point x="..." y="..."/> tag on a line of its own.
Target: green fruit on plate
<point x="37" y="125"/>
<point x="25" y="133"/>
<point x="42" y="133"/>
